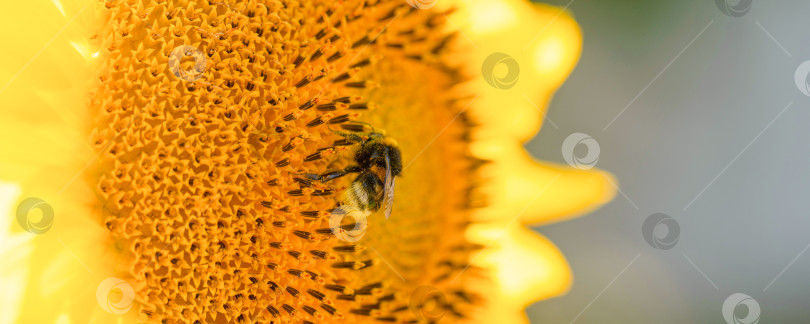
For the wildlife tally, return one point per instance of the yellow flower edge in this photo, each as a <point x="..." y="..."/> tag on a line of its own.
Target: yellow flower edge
<point x="44" y="147"/>
<point x="546" y="42"/>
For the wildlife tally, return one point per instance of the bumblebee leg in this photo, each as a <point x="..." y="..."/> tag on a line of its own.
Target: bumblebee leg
<point x="332" y="174"/>
<point x="349" y="136"/>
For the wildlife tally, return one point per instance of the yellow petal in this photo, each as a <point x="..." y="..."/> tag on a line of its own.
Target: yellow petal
<point x="525" y="267"/>
<point x="43" y="87"/>
<point x="537" y="192"/>
<point x="545" y="42"/>
<point x="44" y="83"/>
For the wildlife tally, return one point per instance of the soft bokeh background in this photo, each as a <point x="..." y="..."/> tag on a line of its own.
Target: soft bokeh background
<point x="708" y="117"/>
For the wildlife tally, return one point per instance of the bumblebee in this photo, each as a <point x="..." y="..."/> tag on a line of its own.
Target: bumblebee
<point x="379" y="162"/>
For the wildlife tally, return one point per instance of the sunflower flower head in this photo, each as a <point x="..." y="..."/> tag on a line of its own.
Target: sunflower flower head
<point x="183" y="147"/>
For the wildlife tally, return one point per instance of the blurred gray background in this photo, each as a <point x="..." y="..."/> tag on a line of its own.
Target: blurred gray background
<point x="711" y="130"/>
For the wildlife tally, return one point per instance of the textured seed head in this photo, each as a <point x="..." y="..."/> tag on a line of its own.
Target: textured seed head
<point x="204" y="118"/>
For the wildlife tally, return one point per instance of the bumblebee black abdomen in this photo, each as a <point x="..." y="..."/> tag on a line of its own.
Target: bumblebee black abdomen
<point x="366" y="191"/>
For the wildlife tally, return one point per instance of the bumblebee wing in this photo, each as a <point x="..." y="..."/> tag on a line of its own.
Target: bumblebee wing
<point x="389" y="186"/>
<point x="389" y="200"/>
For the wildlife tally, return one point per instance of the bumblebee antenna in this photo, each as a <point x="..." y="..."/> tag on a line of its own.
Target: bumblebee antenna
<point x="329" y="127"/>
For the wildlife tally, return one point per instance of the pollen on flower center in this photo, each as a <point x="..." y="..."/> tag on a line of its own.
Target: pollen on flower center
<point x="209" y="116"/>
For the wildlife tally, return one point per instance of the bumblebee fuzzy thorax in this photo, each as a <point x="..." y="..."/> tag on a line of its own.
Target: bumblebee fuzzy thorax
<point x="374" y="152"/>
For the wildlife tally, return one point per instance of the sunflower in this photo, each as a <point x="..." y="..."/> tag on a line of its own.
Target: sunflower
<point x="166" y="161"/>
